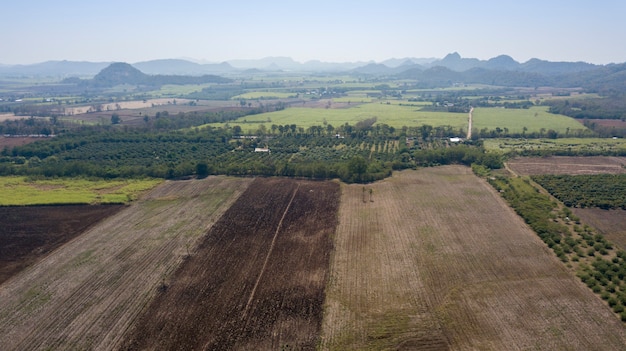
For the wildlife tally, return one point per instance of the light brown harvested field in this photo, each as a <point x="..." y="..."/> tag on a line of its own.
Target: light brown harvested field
<point x="572" y="165"/>
<point x="122" y="105"/>
<point x="86" y="294"/>
<point x="438" y="261"/>
<point x="8" y="117"/>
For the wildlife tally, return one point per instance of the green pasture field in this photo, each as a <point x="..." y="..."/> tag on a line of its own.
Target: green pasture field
<point x="534" y="119"/>
<point x="179" y="90"/>
<point x="21" y="191"/>
<point x="574" y="144"/>
<point x="264" y="95"/>
<point x="395" y="115"/>
<point x="357" y="97"/>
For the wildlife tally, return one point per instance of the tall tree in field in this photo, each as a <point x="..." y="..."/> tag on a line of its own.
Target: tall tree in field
<point x="357" y="168"/>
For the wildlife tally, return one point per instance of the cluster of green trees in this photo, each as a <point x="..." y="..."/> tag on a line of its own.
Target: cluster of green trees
<point x="606" y="278"/>
<point x="610" y="107"/>
<point x="366" y="153"/>
<point x="458" y="154"/>
<point x="29" y="126"/>
<point x="531" y="205"/>
<point x="592" y="110"/>
<point x="606" y="191"/>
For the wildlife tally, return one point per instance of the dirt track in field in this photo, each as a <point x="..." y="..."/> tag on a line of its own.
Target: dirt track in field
<point x="572" y="165"/>
<point x="86" y="294"/>
<point x="256" y="281"/>
<point x="438" y="261"/>
<point x="29" y="233"/>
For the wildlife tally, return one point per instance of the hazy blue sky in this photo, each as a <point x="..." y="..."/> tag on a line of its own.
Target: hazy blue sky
<point x="328" y="30"/>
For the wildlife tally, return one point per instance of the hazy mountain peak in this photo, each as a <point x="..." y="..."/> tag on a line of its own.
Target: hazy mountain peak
<point x="455" y="56"/>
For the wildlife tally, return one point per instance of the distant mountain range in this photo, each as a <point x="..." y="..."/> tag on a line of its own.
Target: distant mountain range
<point x="500" y="71"/>
<point x="123" y="73"/>
<point x="452" y="61"/>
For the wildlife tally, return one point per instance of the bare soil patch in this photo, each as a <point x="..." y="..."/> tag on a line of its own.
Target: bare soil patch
<point x="618" y="123"/>
<point x="30" y="233"/>
<point x="571" y="165"/>
<point x="611" y="223"/>
<point x="135" y="114"/>
<point x="16" y="141"/>
<point x="123" y="105"/>
<point x="86" y="294"/>
<point x="256" y="282"/>
<point x="438" y="261"/>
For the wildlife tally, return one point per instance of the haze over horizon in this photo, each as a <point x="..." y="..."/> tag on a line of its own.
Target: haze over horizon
<point x="37" y="31"/>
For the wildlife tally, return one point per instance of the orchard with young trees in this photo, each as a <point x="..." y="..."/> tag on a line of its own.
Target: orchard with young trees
<point x="175" y="146"/>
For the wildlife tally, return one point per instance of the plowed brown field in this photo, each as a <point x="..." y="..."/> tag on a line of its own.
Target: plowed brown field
<point x="29" y="233"/>
<point x="438" y="261"/>
<point x="256" y="281"/>
<point x="85" y="295"/>
<point x="568" y="165"/>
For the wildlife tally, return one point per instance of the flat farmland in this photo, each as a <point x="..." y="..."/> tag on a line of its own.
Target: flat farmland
<point x="611" y="223"/>
<point x="572" y="165"/>
<point x="534" y="119"/>
<point x="30" y="233"/>
<point x="256" y="282"/>
<point x="310" y="114"/>
<point x="86" y="294"/>
<point x="438" y="261"/>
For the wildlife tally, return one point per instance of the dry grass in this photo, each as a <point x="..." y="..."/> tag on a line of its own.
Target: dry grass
<point x="438" y="261"/>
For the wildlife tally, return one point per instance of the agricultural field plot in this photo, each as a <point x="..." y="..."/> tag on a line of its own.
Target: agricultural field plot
<point x="22" y="191"/>
<point x="611" y="223"/>
<point x="397" y="115"/>
<point x="256" y="282"/>
<point x="16" y="141"/>
<point x="306" y="116"/>
<point x="30" y="233"/>
<point x="134" y="112"/>
<point x="616" y="123"/>
<point x="436" y="260"/>
<point x="86" y="294"/>
<point x="572" y="165"/>
<point x="582" y="145"/>
<point x="264" y="95"/>
<point x="534" y="119"/>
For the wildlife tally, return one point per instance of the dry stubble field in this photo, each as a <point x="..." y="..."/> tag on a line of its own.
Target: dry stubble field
<point x="571" y="165"/>
<point x="438" y="261"/>
<point x="85" y="295"/>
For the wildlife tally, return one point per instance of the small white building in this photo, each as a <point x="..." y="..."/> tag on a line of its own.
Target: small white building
<point x="455" y="139"/>
<point x="261" y="149"/>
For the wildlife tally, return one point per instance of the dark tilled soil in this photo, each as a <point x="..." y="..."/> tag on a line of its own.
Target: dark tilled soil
<point x="29" y="233"/>
<point x="256" y="282"/>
